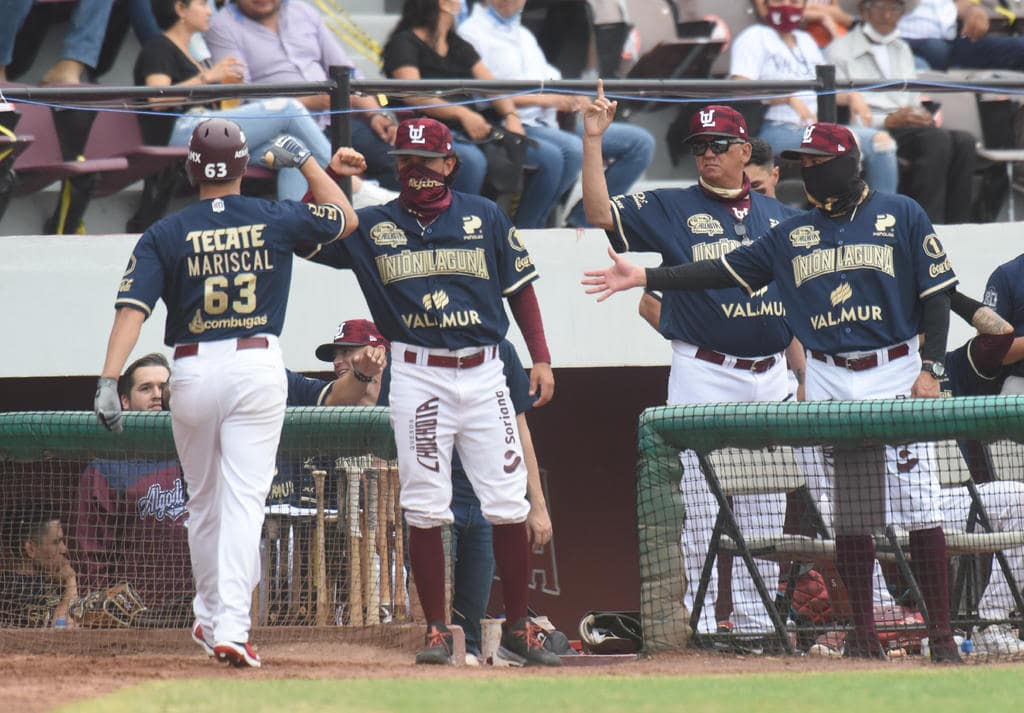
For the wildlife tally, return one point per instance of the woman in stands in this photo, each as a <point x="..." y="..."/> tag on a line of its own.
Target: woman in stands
<point x="779" y="50"/>
<point x="424" y="45"/>
<point x="165" y="60"/>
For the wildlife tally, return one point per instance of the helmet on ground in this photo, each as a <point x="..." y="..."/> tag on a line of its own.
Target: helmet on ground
<point x="217" y="152"/>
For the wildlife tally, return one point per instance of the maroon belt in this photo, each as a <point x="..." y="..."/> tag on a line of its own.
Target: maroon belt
<point x="865" y="362"/>
<point x="757" y="366"/>
<point x="187" y="350"/>
<point x="450" y="362"/>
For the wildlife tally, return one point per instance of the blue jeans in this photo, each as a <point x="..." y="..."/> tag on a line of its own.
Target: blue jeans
<point x="380" y="165"/>
<point x="472" y="165"/>
<point x="989" y="52"/>
<point x="880" y="167"/>
<point x="143" y="21"/>
<point x="474" y="562"/>
<point x="84" y="37"/>
<point x="262" y="122"/>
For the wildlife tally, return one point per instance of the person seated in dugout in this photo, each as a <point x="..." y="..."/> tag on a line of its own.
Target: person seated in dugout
<point x="41" y="585"/>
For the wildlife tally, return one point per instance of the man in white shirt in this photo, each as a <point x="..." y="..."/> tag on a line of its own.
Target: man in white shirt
<point x="948" y="34"/>
<point x="511" y="52"/>
<point x="941" y="160"/>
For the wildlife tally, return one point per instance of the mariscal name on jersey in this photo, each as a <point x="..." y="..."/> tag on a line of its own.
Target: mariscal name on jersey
<point x="226" y="250"/>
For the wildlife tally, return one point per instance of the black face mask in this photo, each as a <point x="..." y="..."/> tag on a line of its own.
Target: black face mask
<point x="834" y="186"/>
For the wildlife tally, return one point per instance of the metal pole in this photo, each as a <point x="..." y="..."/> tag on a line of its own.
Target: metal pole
<point x="341" y="120"/>
<point x="826" y="102"/>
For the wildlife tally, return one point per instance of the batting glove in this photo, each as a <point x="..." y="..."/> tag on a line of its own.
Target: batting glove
<point x="288" y="152"/>
<point x="108" y="404"/>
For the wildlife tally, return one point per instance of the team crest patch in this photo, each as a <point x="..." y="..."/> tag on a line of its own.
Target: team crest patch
<point x="388" y="235"/>
<point x="991" y="298"/>
<point x="884" y="224"/>
<point x="515" y="241"/>
<point x="704" y="224"/>
<point x="932" y="246"/>
<point x="806" y="236"/>
<point x="471" y="225"/>
<point x="217" y="206"/>
<point x="772" y="222"/>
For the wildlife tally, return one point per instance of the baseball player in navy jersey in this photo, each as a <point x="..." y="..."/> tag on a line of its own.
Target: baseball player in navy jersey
<point x="434" y="265"/>
<point x="1005" y="294"/>
<point x="726" y="346"/>
<point x="223" y="268"/>
<point x="862" y="275"/>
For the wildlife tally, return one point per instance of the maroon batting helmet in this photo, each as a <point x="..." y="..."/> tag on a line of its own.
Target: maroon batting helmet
<point x="217" y="152"/>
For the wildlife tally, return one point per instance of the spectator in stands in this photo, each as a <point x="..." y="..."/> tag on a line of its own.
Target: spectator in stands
<point x="952" y="34"/>
<point x="82" y="42"/>
<point x="825" y="20"/>
<point x="761" y="168"/>
<point x="425" y="45"/>
<point x="131" y="524"/>
<point x="42" y="584"/>
<point x="288" y="42"/>
<point x="776" y="49"/>
<point x="510" y="49"/>
<point x="941" y="160"/>
<point x="165" y="61"/>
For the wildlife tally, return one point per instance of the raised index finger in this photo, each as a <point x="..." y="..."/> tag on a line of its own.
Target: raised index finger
<point x="600" y="89"/>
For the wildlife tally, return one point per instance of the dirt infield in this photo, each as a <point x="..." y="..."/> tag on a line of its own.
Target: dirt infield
<point x="40" y="682"/>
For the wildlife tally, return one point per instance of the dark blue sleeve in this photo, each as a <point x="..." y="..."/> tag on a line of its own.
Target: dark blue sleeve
<point x="752" y="266"/>
<point x="385" y="385"/>
<point x="515" y="266"/>
<point x="642" y="222"/>
<point x="334" y="254"/>
<point x="304" y="391"/>
<point x="311" y="225"/>
<point x="143" y="279"/>
<point x="999" y="293"/>
<point x="515" y="377"/>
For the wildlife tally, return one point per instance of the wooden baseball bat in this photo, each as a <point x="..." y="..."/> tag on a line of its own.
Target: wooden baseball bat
<point x="355" y="570"/>
<point x="401" y="613"/>
<point x="370" y="540"/>
<point x="322" y="610"/>
<point x="383" y="546"/>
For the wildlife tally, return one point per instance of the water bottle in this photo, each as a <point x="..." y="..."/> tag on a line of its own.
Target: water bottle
<point x="61" y="623"/>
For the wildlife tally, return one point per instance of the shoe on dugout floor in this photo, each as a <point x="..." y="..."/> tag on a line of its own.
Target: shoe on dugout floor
<point x="864" y="648"/>
<point x="997" y="641"/>
<point x="437" y="646"/>
<point x="239" y="655"/>
<point x="200" y="639"/>
<point x="522" y="644"/>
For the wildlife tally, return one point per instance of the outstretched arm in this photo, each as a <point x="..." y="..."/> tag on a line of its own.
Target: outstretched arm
<point x="596" y="119"/>
<point x="624" y="275"/>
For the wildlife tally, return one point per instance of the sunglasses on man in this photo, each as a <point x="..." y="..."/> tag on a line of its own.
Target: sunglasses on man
<point x="717" y="146"/>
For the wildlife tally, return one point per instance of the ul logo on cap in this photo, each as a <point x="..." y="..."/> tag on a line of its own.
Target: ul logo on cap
<point x="707" y="118"/>
<point x="416" y="134"/>
<point x="808" y="133"/>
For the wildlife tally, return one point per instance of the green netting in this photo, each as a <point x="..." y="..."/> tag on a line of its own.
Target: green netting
<point x="120" y="499"/>
<point x="719" y="428"/>
<point x="32" y="435"/>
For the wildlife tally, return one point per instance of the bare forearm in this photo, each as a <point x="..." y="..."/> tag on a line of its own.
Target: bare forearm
<point x="124" y="335"/>
<point x="596" y="202"/>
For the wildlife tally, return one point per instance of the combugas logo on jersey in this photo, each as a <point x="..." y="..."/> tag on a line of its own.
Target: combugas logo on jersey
<point x="198" y="325"/>
<point x="704" y="224"/>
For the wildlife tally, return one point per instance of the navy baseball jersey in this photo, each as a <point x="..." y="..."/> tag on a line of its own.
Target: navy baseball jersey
<point x="439" y="286"/>
<point x="223" y="266"/>
<point x="964" y="378"/>
<point x="685" y="225"/>
<point x="852" y="285"/>
<point x="1005" y="294"/>
<point x="306" y="391"/>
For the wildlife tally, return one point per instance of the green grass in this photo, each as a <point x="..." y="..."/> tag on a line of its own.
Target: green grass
<point x="929" y="691"/>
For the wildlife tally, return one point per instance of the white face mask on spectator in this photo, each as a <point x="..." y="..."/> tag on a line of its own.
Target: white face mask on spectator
<point x="877" y="37"/>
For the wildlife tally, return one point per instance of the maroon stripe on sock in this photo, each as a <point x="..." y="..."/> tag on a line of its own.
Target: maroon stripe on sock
<point x="512" y="557"/>
<point x="426" y="558"/>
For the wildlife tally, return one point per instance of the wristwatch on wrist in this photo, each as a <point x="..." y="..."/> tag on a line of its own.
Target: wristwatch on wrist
<point x="935" y="368"/>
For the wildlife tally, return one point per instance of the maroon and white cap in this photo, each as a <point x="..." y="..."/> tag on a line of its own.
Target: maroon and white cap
<point x="717" y="120"/>
<point x="824" y="139"/>
<point x="423" y="137"/>
<point x="353" y="333"/>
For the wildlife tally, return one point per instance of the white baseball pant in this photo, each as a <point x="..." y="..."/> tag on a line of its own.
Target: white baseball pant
<point x="695" y="381"/>
<point x="227" y="410"/>
<point x="434" y="408"/>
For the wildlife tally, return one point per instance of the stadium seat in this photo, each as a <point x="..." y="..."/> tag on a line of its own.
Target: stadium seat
<point x="116" y="134"/>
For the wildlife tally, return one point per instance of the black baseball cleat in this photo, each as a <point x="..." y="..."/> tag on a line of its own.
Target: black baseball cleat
<point x="522" y="644"/>
<point x="437" y="646"/>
